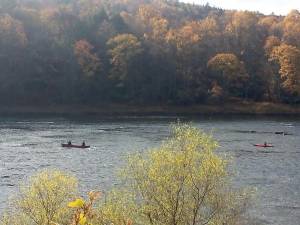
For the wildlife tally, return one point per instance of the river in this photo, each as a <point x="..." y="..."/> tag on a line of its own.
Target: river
<point x="29" y="144"/>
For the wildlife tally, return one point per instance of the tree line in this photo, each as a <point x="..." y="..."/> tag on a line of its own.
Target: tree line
<point x="144" y="51"/>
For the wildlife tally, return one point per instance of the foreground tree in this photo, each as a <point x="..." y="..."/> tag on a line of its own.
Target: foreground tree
<point x="43" y="200"/>
<point x="183" y="182"/>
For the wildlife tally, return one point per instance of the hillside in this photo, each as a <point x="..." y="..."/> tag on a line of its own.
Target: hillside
<point x="67" y="52"/>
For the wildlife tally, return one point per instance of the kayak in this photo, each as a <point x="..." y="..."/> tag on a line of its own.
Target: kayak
<point x="74" y="146"/>
<point x="264" y="146"/>
<point x="282" y="132"/>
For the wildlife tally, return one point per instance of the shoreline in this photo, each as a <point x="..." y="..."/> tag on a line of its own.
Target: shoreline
<point x="241" y="108"/>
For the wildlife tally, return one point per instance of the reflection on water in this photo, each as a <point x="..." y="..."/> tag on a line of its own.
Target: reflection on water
<point x="30" y="144"/>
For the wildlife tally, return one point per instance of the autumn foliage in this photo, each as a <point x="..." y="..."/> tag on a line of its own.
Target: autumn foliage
<point x="144" y="51"/>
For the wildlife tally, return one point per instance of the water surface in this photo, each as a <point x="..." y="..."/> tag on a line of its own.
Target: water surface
<point x="29" y="144"/>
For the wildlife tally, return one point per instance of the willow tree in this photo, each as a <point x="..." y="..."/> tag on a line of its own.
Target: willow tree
<point x="182" y="182"/>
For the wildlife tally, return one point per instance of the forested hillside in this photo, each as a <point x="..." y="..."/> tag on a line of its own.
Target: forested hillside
<point x="144" y="52"/>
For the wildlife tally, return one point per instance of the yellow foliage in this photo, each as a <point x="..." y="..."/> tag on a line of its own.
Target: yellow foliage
<point x="43" y="199"/>
<point x="181" y="182"/>
<point x="116" y="209"/>
<point x="82" y="219"/>
<point x="78" y="203"/>
<point x="288" y="58"/>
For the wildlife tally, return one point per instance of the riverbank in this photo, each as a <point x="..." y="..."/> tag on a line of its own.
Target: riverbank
<point x="242" y="108"/>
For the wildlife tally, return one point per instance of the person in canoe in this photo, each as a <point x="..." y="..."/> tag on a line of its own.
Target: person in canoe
<point x="83" y="144"/>
<point x="69" y="143"/>
<point x="265" y="144"/>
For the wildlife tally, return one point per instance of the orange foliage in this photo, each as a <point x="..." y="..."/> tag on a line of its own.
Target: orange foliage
<point x="88" y="61"/>
<point x="288" y="58"/>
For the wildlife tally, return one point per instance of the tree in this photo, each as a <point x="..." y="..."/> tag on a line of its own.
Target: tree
<point x="157" y="50"/>
<point x="271" y="42"/>
<point x="270" y="70"/>
<point x="88" y="10"/>
<point x="291" y="28"/>
<point x="13" y="55"/>
<point x="230" y="73"/>
<point x="245" y="38"/>
<point x="270" y="25"/>
<point x="288" y="58"/>
<point x="62" y="25"/>
<point x="242" y="25"/>
<point x="124" y="50"/>
<point x="182" y="182"/>
<point x="194" y="42"/>
<point x="12" y="33"/>
<point x="88" y="61"/>
<point x="43" y="200"/>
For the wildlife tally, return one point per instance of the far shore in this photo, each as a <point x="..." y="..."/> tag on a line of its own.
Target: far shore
<point x="241" y="108"/>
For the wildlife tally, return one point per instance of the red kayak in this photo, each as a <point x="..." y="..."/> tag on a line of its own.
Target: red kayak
<point x="74" y="146"/>
<point x="264" y="146"/>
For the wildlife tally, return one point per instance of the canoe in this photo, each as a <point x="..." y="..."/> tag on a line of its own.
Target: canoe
<point x="74" y="146"/>
<point x="264" y="146"/>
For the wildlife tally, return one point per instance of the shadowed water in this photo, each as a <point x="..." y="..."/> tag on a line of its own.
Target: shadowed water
<point x="29" y="144"/>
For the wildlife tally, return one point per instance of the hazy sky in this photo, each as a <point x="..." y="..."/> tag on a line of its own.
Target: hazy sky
<point x="265" y="6"/>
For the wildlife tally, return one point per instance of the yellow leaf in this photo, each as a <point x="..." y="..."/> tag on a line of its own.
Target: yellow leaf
<point x="82" y="220"/>
<point x="78" y="203"/>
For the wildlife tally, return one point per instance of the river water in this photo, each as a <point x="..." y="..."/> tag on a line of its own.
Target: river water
<point x="28" y="144"/>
